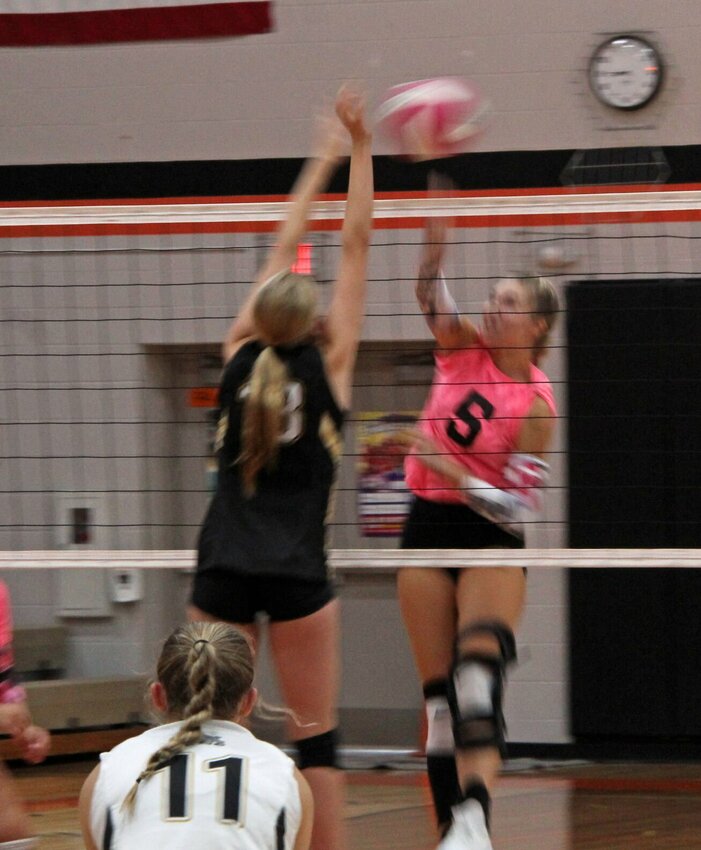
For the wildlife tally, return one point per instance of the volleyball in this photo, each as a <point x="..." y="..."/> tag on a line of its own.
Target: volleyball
<point x="555" y="257"/>
<point x="430" y="119"/>
<point x="551" y="257"/>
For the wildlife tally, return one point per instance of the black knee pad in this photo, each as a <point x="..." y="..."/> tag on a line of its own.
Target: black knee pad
<point x="440" y="751"/>
<point x="319" y="750"/>
<point x="476" y="689"/>
<point x="494" y="628"/>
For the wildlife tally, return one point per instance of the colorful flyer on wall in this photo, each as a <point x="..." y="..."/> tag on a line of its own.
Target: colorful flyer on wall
<point x="383" y="497"/>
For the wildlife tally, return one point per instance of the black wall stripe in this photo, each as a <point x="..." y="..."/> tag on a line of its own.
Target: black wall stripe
<point x="495" y="170"/>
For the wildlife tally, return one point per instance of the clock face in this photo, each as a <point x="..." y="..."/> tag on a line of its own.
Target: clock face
<point x="625" y="72"/>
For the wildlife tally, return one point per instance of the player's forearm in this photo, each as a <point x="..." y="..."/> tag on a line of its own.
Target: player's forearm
<point x="359" y="204"/>
<point x="520" y="501"/>
<point x="437" y="304"/>
<point x="312" y="181"/>
<point x="443" y="464"/>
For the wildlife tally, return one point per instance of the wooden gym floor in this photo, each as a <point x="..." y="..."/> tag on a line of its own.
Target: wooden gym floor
<point x="576" y="807"/>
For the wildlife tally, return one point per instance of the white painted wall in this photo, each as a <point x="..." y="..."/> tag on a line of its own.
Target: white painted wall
<point x="252" y="97"/>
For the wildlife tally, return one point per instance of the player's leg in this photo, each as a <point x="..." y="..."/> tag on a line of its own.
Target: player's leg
<point x="427" y="602"/>
<point x="490" y="603"/>
<point x="15" y="826"/>
<point x="306" y="654"/>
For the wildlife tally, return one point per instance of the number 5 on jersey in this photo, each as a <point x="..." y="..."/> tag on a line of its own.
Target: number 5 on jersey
<point x="464" y="412"/>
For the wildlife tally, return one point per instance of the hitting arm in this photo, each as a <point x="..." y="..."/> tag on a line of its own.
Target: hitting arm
<point x="450" y="329"/>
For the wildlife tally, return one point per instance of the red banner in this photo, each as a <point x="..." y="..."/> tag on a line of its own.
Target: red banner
<point x="64" y="22"/>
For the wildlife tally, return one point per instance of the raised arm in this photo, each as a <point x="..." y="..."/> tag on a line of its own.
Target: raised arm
<point x="450" y="329"/>
<point x="347" y="309"/>
<point x="312" y="180"/>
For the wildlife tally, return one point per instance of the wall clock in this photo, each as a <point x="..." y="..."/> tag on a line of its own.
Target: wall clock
<point x="625" y="72"/>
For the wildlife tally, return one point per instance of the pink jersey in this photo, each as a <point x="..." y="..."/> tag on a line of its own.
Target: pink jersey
<point x="474" y="412"/>
<point x="9" y="691"/>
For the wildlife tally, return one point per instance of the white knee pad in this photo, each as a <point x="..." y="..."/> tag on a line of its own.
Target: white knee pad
<point x="439" y="738"/>
<point x="476" y="689"/>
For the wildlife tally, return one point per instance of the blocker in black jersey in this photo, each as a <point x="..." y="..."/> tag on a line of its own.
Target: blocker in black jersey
<point x="262" y="545"/>
<point x="280" y="529"/>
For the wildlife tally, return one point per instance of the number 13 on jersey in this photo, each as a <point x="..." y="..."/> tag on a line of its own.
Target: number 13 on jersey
<point x="293" y="411"/>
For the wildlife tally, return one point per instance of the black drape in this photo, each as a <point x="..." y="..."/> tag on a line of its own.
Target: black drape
<point x="634" y="382"/>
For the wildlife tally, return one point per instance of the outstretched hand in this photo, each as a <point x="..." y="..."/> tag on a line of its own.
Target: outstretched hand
<point x="329" y="137"/>
<point x="350" y="108"/>
<point x="34" y="742"/>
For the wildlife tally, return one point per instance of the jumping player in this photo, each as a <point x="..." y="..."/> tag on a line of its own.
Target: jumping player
<point x="477" y="471"/>
<point x="283" y="396"/>
<point x="201" y="781"/>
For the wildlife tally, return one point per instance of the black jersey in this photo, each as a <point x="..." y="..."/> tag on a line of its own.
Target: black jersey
<point x="281" y="528"/>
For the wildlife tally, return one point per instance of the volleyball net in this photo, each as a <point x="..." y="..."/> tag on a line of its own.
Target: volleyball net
<point x="111" y="322"/>
<point x="113" y="315"/>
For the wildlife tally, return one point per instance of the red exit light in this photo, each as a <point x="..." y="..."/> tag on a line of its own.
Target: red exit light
<point x="303" y="263"/>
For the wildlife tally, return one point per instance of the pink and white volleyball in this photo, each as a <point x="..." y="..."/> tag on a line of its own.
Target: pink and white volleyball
<point x="429" y="119"/>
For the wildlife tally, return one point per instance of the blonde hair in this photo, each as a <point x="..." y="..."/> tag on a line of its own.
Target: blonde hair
<point x="284" y="311"/>
<point x="205" y="669"/>
<point x="546" y="305"/>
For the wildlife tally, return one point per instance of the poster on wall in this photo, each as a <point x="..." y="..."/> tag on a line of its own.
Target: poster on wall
<point x="383" y="497"/>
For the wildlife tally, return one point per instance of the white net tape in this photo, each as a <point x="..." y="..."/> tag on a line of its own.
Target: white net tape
<point x="369" y="560"/>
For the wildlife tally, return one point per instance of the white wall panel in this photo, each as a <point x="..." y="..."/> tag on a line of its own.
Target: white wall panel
<point x="252" y="97"/>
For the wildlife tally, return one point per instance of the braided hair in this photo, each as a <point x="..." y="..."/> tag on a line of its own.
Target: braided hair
<point x="205" y="669"/>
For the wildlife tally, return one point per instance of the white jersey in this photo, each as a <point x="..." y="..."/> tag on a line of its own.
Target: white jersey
<point x="228" y="792"/>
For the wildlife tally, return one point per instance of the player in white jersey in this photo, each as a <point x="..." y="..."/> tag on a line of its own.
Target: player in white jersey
<point x="201" y="780"/>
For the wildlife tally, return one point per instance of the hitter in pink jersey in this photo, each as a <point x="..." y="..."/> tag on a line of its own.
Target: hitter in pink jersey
<point x="15" y="720"/>
<point x="477" y="470"/>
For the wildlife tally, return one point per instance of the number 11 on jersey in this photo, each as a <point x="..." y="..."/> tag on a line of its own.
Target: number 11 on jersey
<point x="178" y="778"/>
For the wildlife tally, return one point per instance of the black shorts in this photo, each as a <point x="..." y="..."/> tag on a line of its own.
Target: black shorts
<point x="444" y="525"/>
<point x="238" y="598"/>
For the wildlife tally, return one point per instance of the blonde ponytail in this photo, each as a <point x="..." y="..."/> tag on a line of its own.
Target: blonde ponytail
<point x="546" y="305"/>
<point x="263" y="417"/>
<point x="283" y="312"/>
